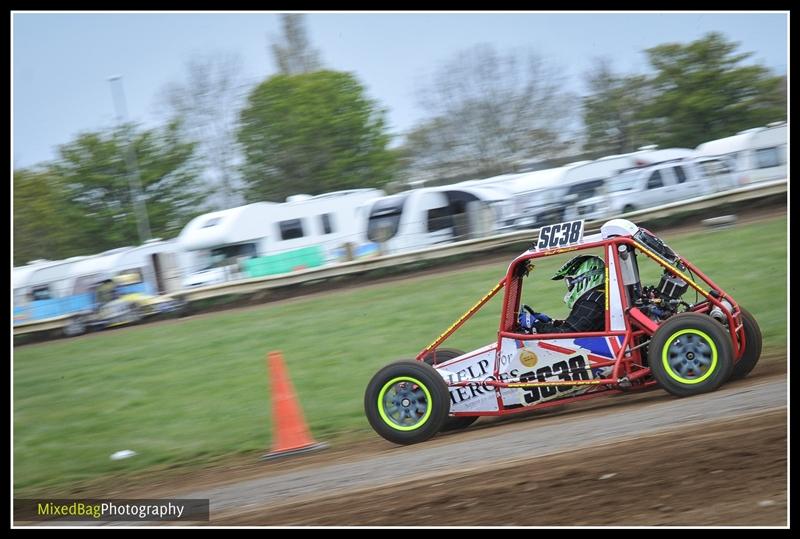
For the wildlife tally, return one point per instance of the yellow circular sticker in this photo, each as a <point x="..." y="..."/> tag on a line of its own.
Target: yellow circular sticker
<point x="528" y="358"/>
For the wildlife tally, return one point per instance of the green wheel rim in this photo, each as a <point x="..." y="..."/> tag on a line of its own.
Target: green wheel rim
<point x="404" y="403"/>
<point x="689" y="356"/>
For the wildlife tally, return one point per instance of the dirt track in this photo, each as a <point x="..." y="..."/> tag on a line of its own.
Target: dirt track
<point x="727" y="473"/>
<point x="646" y="459"/>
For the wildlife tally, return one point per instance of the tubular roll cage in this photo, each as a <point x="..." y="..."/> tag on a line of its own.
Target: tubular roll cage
<point x="627" y="363"/>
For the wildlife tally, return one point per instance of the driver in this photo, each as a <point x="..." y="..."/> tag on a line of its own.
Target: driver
<point x="585" y="278"/>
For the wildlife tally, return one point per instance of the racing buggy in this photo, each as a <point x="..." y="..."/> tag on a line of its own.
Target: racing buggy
<point x="654" y="335"/>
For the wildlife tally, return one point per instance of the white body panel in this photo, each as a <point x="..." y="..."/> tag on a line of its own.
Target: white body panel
<point x="551" y="359"/>
<point x="233" y="225"/>
<point x="614" y="294"/>
<point x="477" y="365"/>
<point x="542" y="360"/>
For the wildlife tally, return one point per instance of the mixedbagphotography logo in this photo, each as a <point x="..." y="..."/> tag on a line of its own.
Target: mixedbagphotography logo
<point x="111" y="510"/>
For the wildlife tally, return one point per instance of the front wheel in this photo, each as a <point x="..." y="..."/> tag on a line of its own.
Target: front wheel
<point x="752" y="346"/>
<point x="407" y="402"/>
<point x="690" y="354"/>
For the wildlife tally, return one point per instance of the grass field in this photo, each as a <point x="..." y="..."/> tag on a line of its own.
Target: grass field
<point x="186" y="391"/>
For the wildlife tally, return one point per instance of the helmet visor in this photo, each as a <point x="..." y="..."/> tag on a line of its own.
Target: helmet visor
<point x="570" y="282"/>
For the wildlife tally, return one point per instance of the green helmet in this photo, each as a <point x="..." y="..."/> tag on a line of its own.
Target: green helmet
<point x="582" y="273"/>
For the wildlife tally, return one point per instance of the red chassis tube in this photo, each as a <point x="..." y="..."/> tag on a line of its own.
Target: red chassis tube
<point x="458" y="323"/>
<point x="627" y="364"/>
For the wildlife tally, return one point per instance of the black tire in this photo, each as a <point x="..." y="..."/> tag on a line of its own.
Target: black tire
<point x="440" y="355"/>
<point x="628" y="208"/>
<point x="421" y="402"/>
<point x="752" y="346"/>
<point x="704" y="351"/>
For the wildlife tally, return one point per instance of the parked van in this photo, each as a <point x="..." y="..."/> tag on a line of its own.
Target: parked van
<point x="267" y="238"/>
<point x="570" y="185"/>
<point x="754" y="155"/>
<point x="645" y="187"/>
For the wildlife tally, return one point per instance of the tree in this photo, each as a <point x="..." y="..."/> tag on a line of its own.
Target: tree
<point x="613" y="111"/>
<point x="294" y="55"/>
<point x="207" y="106"/>
<point x="95" y="178"/>
<point x="489" y="112"/>
<point x="702" y="92"/>
<point x="312" y="133"/>
<point x="43" y="218"/>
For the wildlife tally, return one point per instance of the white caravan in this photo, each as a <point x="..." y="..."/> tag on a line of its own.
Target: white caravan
<point x="46" y="290"/>
<point x="51" y="289"/>
<point x="423" y="217"/>
<point x="754" y="155"/>
<point x="267" y="238"/>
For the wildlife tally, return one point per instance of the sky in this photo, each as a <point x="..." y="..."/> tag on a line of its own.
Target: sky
<point x="61" y="62"/>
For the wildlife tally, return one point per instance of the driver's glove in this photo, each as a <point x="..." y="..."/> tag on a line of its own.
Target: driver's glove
<point x="541" y="317"/>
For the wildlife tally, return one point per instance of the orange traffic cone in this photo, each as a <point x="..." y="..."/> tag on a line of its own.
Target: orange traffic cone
<point x="291" y="434"/>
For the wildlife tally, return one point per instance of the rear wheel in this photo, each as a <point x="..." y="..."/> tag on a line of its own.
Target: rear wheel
<point x="628" y="208"/>
<point x="407" y="402"/>
<point x="690" y="354"/>
<point x="752" y="346"/>
<point x="435" y="357"/>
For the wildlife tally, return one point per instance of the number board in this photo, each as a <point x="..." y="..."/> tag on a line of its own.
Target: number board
<point x="560" y="235"/>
